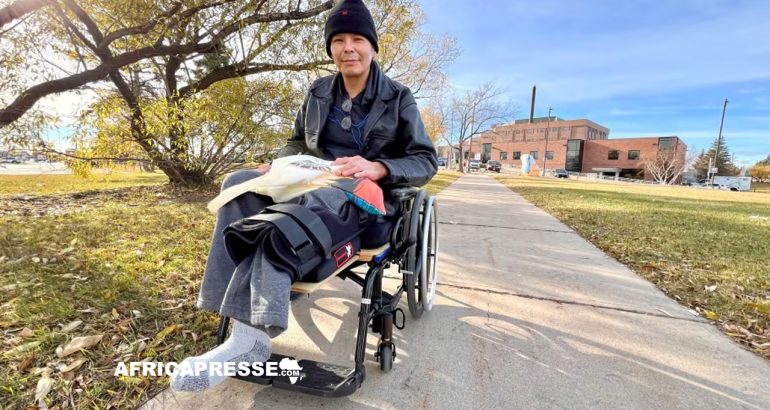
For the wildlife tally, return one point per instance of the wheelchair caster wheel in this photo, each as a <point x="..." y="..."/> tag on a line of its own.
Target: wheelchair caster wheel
<point x="385" y="357"/>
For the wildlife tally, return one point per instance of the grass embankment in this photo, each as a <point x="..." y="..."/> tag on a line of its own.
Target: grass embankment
<point x="57" y="184"/>
<point x="710" y="250"/>
<point x="124" y="266"/>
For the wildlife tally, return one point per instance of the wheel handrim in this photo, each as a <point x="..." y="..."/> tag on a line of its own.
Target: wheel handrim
<point x="429" y="255"/>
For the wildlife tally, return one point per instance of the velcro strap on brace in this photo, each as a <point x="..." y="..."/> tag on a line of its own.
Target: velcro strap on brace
<point x="307" y="219"/>
<point x="298" y="240"/>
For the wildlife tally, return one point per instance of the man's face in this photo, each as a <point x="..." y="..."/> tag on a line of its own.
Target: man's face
<point x="352" y="54"/>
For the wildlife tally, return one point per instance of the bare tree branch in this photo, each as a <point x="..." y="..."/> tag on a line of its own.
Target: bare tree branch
<point x="234" y="70"/>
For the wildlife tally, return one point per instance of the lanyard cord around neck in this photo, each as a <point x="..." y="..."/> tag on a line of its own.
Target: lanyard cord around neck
<point x="355" y="129"/>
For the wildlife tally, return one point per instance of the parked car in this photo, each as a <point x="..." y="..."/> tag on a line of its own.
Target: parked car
<point x="11" y="160"/>
<point x="494" y="166"/>
<point x="475" y="164"/>
<point x="718" y="186"/>
<point x="560" y="173"/>
<point x="442" y="162"/>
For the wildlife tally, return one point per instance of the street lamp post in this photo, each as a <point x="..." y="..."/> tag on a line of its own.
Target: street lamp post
<point x="547" y="129"/>
<point x="719" y="142"/>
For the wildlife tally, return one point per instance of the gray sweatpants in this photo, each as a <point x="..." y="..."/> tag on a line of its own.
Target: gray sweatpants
<point x="254" y="291"/>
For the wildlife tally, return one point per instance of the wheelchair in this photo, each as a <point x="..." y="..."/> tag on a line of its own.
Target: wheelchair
<point x="413" y="248"/>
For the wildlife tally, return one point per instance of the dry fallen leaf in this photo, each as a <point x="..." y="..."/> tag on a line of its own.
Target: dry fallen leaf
<point x="78" y="343"/>
<point x="141" y="347"/>
<point x="162" y="335"/>
<point x="25" y="364"/>
<point x="71" y="326"/>
<point x="43" y="387"/>
<point x="124" y="325"/>
<point x="179" y="306"/>
<point x="74" y="365"/>
<point x="27" y="347"/>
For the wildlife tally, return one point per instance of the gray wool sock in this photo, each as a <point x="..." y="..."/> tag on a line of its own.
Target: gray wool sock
<point x="198" y="373"/>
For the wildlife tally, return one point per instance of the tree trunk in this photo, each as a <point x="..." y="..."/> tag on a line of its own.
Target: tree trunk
<point x="462" y="168"/>
<point x="179" y="176"/>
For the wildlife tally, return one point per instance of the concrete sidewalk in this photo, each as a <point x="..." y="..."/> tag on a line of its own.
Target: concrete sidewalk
<point x="529" y="315"/>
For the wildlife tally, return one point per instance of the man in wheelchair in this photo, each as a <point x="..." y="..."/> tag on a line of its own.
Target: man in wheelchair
<point x="370" y="126"/>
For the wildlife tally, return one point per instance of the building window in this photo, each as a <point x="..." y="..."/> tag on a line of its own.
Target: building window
<point x="633" y="154"/>
<point x="516" y="155"/>
<point x="666" y="143"/>
<point x="533" y="154"/>
<point x="613" y="155"/>
<point x="549" y="155"/>
<point x="486" y="152"/>
<point x="574" y="155"/>
<point x="503" y="155"/>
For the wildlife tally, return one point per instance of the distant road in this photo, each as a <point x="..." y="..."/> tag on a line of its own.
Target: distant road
<point x="34" y="168"/>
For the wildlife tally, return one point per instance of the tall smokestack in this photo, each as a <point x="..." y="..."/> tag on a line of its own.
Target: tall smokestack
<point x="532" y="106"/>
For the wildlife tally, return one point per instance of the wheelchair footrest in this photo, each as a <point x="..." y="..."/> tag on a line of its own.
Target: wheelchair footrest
<point x="318" y="379"/>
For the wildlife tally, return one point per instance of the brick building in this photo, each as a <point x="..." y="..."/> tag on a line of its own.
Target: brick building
<point x="575" y="145"/>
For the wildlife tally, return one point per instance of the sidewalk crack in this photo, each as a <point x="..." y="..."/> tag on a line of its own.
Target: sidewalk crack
<point x="503" y="227"/>
<point x="567" y="302"/>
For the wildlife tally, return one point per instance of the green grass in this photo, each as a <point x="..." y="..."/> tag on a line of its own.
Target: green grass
<point x="763" y="187"/>
<point x="56" y="184"/>
<point x="129" y="267"/>
<point x="442" y="180"/>
<point x="710" y="250"/>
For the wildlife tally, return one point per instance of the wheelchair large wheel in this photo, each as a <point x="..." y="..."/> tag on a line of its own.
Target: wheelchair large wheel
<point x="412" y="262"/>
<point x="428" y="278"/>
<point x="422" y="260"/>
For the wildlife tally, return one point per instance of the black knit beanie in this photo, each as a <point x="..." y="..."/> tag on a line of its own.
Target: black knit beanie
<point x="350" y="16"/>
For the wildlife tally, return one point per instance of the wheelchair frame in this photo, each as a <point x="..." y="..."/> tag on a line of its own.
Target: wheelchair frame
<point x="413" y="247"/>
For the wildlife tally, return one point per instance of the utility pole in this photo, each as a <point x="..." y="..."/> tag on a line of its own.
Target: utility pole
<point x="470" y="141"/>
<point x="451" y="155"/>
<point x="547" y="128"/>
<point x="719" y="142"/>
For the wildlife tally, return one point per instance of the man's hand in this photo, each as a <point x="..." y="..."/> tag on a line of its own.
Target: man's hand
<point x="263" y="169"/>
<point x="359" y="167"/>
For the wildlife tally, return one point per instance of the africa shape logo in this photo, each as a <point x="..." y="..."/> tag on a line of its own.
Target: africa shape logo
<point x="291" y="365"/>
<point x="343" y="254"/>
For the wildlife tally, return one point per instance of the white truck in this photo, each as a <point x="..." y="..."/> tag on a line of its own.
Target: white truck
<point x="733" y="183"/>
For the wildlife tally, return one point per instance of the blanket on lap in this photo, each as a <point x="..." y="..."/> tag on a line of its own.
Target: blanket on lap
<point x="295" y="175"/>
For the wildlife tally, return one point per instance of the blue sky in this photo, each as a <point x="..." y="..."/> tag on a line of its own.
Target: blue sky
<point x="638" y="67"/>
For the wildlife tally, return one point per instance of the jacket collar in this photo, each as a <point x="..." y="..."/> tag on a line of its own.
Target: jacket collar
<point x="378" y="85"/>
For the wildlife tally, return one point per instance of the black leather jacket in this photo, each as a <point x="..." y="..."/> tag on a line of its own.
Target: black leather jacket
<point x="394" y="135"/>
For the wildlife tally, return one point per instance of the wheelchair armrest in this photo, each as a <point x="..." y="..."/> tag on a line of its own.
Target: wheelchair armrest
<point x="402" y="193"/>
